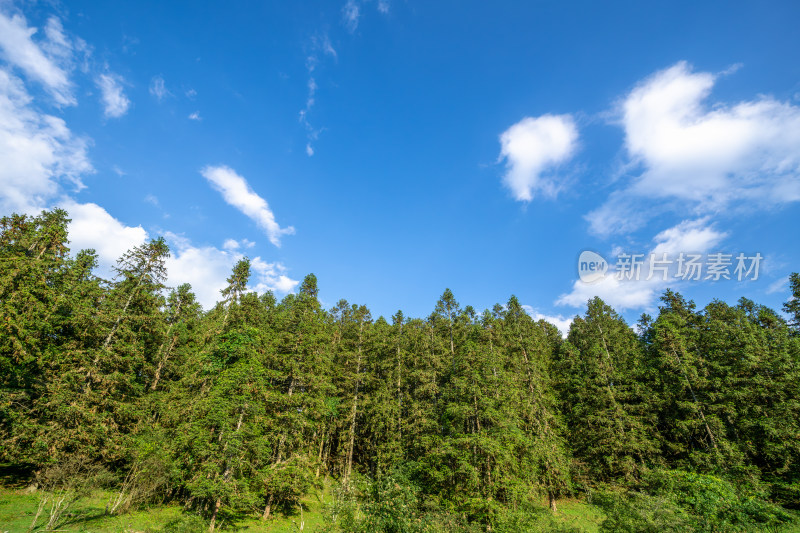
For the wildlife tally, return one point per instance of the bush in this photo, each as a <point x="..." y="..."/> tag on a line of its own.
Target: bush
<point x="674" y="500"/>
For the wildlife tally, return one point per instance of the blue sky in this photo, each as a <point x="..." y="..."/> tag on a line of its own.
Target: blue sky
<point x="396" y="148"/>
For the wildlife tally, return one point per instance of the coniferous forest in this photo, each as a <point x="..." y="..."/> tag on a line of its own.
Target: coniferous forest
<point x="464" y="420"/>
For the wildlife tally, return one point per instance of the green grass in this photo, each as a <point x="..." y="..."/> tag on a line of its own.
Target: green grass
<point x="578" y="513"/>
<point x="18" y="507"/>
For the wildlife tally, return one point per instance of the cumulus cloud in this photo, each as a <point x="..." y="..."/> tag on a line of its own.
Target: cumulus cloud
<point x="560" y="322"/>
<point x="231" y="244"/>
<point x="37" y="150"/>
<point x="531" y="148"/>
<point x="271" y="277"/>
<point x="237" y="192"/>
<point x="47" y="63"/>
<point x="207" y="268"/>
<point x="690" y="236"/>
<point x="619" y="294"/>
<point x="39" y="155"/>
<point x="94" y="227"/>
<point x="688" y="153"/>
<point x="115" y="103"/>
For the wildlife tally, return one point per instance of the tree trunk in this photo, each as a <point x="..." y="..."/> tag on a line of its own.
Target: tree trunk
<point x="694" y="397"/>
<point x="349" y="469"/>
<point x="267" y="509"/>
<point x="162" y="361"/>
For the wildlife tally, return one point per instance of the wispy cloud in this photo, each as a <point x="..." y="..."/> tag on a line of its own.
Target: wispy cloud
<point x="238" y="193"/>
<point x="320" y="47"/>
<point x="779" y="285"/>
<point x="158" y="88"/>
<point x="115" y="102"/>
<point x="531" y="148"/>
<point x="351" y="13"/>
<point x="48" y="63"/>
<point x="37" y="150"/>
<point x="195" y="116"/>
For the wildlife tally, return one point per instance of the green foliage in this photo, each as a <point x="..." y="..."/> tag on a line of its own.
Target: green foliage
<point x="458" y="421"/>
<point x="673" y="500"/>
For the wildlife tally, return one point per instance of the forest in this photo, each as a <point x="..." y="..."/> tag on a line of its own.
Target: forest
<point x="463" y="420"/>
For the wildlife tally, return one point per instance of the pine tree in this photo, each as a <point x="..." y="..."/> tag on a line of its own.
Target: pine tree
<point x="603" y="402"/>
<point x="792" y="307"/>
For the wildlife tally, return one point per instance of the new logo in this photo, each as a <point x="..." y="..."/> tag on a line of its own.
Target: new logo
<point x="591" y="266"/>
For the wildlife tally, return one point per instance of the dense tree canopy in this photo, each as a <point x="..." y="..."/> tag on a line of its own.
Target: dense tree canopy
<point x="250" y="405"/>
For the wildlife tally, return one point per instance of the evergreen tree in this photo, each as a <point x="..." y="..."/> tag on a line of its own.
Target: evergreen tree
<point x="602" y="399"/>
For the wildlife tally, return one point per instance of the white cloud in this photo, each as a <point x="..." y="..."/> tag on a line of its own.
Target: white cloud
<point x="383" y="6"/>
<point x="37" y="151"/>
<point x="533" y="146"/>
<point x="620" y="295"/>
<point x="323" y="43"/>
<point x="158" y="88"/>
<point x="560" y="322"/>
<point x="233" y="244"/>
<point x="271" y="277"/>
<point x="207" y="268"/>
<point x="237" y="192"/>
<point x="700" y="157"/>
<point x="195" y="116"/>
<point x="47" y="64"/>
<point x="151" y="199"/>
<point x="93" y="227"/>
<point x="115" y="103"/>
<point x="690" y="236"/>
<point x="780" y="285"/>
<point x="319" y="45"/>
<point x="351" y="13"/>
<point x="57" y="45"/>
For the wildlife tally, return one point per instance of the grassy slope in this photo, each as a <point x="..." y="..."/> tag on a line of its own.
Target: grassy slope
<point x="17" y="509"/>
